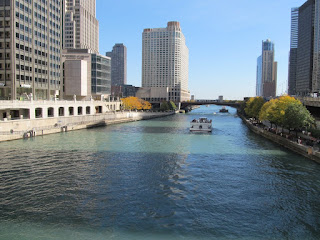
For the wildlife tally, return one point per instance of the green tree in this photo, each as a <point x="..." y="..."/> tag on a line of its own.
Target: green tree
<point x="172" y="106"/>
<point x="164" y="106"/>
<point x="297" y="116"/>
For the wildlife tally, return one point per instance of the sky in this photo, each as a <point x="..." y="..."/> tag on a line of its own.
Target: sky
<point x="224" y="39"/>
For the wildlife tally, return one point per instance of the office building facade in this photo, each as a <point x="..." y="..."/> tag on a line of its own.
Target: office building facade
<point x="30" y="49"/>
<point x="292" y="75"/>
<point x="304" y="65"/>
<point x="87" y="75"/>
<point x="118" y="64"/>
<point x="305" y="49"/>
<point x="100" y="75"/>
<point x="267" y="71"/>
<point x="316" y="50"/>
<point x="81" y="28"/>
<point x="123" y="91"/>
<point x="165" y="59"/>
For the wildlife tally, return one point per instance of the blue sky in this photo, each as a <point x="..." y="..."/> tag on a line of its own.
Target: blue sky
<point x="224" y="39"/>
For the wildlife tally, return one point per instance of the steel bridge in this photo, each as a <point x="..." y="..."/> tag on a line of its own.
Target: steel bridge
<point x="235" y="104"/>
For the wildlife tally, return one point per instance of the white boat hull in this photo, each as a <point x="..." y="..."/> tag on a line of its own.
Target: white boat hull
<point x="192" y="130"/>
<point x="201" y="127"/>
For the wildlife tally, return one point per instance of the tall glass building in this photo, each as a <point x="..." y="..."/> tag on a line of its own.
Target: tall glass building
<point x="304" y="70"/>
<point x="267" y="71"/>
<point x="316" y="50"/>
<point x="259" y="77"/>
<point x="292" y="77"/>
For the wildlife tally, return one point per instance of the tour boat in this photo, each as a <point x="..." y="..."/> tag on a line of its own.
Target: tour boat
<point x="201" y="125"/>
<point x="223" y="110"/>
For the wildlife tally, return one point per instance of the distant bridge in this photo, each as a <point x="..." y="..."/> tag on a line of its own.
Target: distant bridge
<point x="235" y="104"/>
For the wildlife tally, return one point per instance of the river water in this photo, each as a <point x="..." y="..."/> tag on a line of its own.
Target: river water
<point x="156" y="180"/>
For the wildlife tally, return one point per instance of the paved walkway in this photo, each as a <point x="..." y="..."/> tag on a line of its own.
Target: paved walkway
<point x="299" y="137"/>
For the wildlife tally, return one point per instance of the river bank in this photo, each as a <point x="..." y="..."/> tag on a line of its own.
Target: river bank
<point x="306" y="151"/>
<point x="25" y="128"/>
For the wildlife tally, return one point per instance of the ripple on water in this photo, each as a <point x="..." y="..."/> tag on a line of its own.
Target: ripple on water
<point x="155" y="180"/>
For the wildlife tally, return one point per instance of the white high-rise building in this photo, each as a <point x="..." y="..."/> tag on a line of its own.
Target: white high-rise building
<point x="165" y="62"/>
<point x="81" y="28"/>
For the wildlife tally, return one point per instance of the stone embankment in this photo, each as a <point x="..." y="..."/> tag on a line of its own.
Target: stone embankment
<point x="306" y="151"/>
<point x="24" y="128"/>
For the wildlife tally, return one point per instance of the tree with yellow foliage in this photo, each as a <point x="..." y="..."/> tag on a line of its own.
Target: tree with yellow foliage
<point x="134" y="103"/>
<point x="145" y="104"/>
<point x="253" y="107"/>
<point x="274" y="110"/>
<point x="266" y="111"/>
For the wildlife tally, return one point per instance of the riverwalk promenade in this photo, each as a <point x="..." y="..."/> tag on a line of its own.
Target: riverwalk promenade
<point x="300" y="144"/>
<point x="25" y="119"/>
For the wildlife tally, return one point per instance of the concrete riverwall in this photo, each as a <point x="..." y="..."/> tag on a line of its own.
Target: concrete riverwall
<point x="22" y="128"/>
<point x="305" y="151"/>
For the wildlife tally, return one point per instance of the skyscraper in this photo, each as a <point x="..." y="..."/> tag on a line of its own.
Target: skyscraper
<point x="304" y="71"/>
<point x="87" y="74"/>
<point x="259" y="77"/>
<point x="30" y="48"/>
<point x="81" y="28"/>
<point x="118" y="64"/>
<point x="316" y="50"/>
<point x="165" y="59"/>
<point x="305" y="48"/>
<point x="293" y="51"/>
<point x="267" y="67"/>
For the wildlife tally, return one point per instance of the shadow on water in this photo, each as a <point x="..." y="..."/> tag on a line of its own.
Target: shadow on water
<point x="160" y="193"/>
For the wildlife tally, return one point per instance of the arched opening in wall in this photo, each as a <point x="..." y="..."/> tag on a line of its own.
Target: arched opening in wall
<point x="88" y="110"/>
<point x="50" y="112"/>
<point x="98" y="109"/>
<point x="71" y="111"/>
<point x="61" y="111"/>
<point x="38" y="112"/>
<point x="25" y="113"/>
<point x="79" y="110"/>
<point x="114" y="107"/>
<point x="15" y="114"/>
